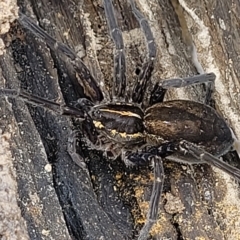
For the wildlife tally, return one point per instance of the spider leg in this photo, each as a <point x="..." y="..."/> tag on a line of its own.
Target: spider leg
<point x="89" y="84"/>
<point x="160" y="88"/>
<point x="157" y="95"/>
<point x="205" y="157"/>
<point x="71" y="149"/>
<point x="89" y="129"/>
<point x="146" y="156"/>
<point x="81" y="113"/>
<point x="188" y="81"/>
<point x="145" y="74"/>
<point x="42" y="102"/>
<point x="155" y="198"/>
<point x="156" y="190"/>
<point x="119" y="55"/>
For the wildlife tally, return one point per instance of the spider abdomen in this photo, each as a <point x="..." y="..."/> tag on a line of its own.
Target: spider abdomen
<point x="191" y="121"/>
<point x="122" y="123"/>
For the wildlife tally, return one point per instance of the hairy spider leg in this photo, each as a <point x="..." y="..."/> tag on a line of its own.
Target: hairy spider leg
<point x="143" y="157"/>
<point x="183" y="82"/>
<point x="119" y="84"/>
<point x="89" y="84"/>
<point x="155" y="197"/>
<point x="147" y="68"/>
<point x="42" y="102"/>
<point x="72" y="150"/>
<point x="80" y="113"/>
<point x="168" y="148"/>
<point x="160" y="88"/>
<point x="205" y="157"/>
<point x="91" y="88"/>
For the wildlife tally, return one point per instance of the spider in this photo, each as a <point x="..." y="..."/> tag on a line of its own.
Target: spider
<point x="191" y="129"/>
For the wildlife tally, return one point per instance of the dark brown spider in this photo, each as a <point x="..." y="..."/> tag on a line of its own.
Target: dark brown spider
<point x="162" y="129"/>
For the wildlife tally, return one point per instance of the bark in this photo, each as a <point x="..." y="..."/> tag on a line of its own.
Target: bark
<point x="102" y="199"/>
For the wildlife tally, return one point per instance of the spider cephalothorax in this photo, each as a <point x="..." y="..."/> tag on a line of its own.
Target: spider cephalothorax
<point x="157" y="131"/>
<point x="120" y="122"/>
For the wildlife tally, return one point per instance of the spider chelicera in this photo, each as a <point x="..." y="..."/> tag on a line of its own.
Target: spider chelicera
<point x="187" y="130"/>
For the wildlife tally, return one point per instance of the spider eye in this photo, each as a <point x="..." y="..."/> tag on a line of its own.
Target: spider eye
<point x="137" y="71"/>
<point x="85" y="104"/>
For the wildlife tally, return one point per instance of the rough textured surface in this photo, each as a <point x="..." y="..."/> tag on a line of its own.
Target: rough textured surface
<point x="12" y="225"/>
<point x="103" y="199"/>
<point x="8" y="13"/>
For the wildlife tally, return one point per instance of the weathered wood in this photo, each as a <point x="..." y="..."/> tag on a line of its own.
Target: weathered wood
<point x="105" y="200"/>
